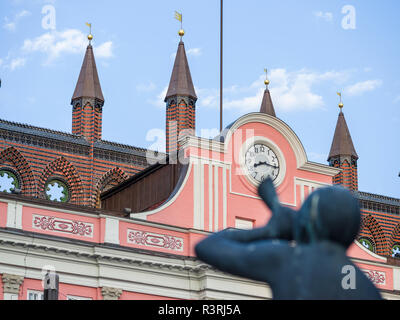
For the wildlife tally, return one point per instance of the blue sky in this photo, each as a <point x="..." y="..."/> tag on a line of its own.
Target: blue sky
<point x="310" y="54"/>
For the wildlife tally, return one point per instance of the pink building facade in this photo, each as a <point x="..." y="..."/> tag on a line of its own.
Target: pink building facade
<point x="150" y="255"/>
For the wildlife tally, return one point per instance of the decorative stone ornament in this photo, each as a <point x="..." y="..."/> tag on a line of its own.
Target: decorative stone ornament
<point x="11" y="283"/>
<point x="111" y="293"/>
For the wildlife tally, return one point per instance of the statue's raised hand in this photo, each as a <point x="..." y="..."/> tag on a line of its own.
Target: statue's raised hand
<point x="280" y="226"/>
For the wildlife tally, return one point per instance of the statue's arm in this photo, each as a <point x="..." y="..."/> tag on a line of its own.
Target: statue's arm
<point x="259" y="260"/>
<point x="280" y="226"/>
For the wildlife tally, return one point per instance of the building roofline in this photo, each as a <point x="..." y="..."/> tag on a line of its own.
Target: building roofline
<point x="38" y="131"/>
<point x="377" y="198"/>
<point x="71" y="138"/>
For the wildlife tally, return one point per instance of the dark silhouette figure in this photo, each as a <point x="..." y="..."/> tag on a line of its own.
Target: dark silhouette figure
<point x="300" y="254"/>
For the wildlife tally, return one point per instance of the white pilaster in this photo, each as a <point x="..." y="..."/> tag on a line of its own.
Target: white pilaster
<point x="202" y="205"/>
<point x="216" y="202"/>
<point x="14" y="215"/>
<point x="396" y="279"/>
<point x="196" y="195"/>
<point x="224" y="199"/>
<point x="111" y="231"/>
<point x="210" y="197"/>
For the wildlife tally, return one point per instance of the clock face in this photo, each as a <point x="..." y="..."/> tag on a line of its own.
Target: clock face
<point x="261" y="162"/>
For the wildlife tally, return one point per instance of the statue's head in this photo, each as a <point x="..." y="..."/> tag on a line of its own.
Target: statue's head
<point x="330" y="213"/>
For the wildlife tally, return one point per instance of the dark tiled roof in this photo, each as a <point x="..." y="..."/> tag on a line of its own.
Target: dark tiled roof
<point x="118" y="147"/>
<point x="377" y="198"/>
<point x="71" y="138"/>
<point x="181" y="83"/>
<point x="342" y="143"/>
<point x="42" y="132"/>
<point x="267" y="106"/>
<point x="88" y="82"/>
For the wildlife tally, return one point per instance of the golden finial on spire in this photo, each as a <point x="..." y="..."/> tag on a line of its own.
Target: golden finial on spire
<point x="178" y="16"/>
<point x="340" y="103"/>
<point x="90" y="36"/>
<point x="266" y="82"/>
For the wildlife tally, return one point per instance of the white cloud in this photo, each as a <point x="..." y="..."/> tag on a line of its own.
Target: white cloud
<point x="397" y="99"/>
<point x="194" y="52"/>
<point x="291" y="91"/>
<point x="70" y="41"/>
<point x="1" y="62"/>
<point x="145" y="87"/>
<point x="208" y="98"/>
<point x="104" y="50"/>
<point x="23" y="13"/>
<point x="327" y="16"/>
<point x="159" y="100"/>
<point x="12" y="25"/>
<point x="361" y="87"/>
<point x="17" y="63"/>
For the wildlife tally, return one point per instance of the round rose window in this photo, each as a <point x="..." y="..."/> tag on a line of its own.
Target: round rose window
<point x="57" y="190"/>
<point x="8" y="181"/>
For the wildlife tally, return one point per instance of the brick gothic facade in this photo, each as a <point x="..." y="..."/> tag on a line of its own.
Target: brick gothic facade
<point x="380" y="231"/>
<point x="88" y="165"/>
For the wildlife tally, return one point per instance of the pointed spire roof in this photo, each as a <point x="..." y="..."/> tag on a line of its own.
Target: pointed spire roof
<point x="88" y="83"/>
<point x="342" y="144"/>
<point x="267" y="106"/>
<point x="181" y="81"/>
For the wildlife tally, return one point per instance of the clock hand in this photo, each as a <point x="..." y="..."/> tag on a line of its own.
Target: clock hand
<point x="259" y="164"/>
<point x="264" y="163"/>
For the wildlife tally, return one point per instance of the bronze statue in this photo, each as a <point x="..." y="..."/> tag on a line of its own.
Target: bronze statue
<point x="300" y="254"/>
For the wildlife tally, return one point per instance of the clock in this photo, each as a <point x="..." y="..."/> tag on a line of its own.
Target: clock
<point x="261" y="162"/>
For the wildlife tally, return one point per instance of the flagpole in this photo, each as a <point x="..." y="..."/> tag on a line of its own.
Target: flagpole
<point x="221" y="69"/>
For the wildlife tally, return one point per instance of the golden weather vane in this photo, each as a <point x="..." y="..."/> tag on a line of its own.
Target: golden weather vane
<point x="178" y="16"/>
<point x="90" y="36"/>
<point x="340" y="103"/>
<point x="266" y="82"/>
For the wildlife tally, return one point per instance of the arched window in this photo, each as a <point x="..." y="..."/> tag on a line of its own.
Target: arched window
<point x="396" y="250"/>
<point x="367" y="243"/>
<point x="9" y="180"/>
<point x="56" y="189"/>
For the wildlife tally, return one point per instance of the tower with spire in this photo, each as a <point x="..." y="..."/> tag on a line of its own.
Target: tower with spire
<point x="180" y="100"/>
<point x="343" y="154"/>
<point x="267" y="106"/>
<point x="87" y="101"/>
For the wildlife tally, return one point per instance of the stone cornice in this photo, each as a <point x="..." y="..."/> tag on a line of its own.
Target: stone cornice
<point x="102" y="253"/>
<point x="320" y="168"/>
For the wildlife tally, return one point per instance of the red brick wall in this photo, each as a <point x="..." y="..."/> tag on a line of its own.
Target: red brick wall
<point x="85" y="175"/>
<point x="348" y="177"/>
<point x="383" y="228"/>
<point x="87" y="121"/>
<point x="180" y="118"/>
